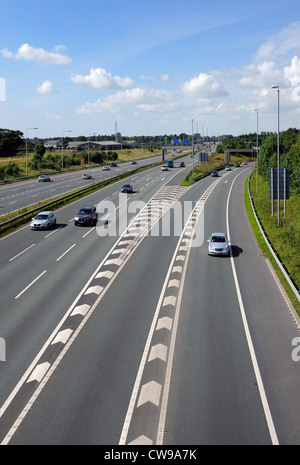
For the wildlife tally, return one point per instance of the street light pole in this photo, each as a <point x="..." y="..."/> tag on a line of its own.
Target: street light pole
<point x="62" y="149"/>
<point x="256" y="149"/>
<point x="278" y="161"/>
<point x="92" y="134"/>
<point x="27" y="129"/>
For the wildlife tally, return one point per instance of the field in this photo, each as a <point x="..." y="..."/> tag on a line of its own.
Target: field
<point x="15" y="167"/>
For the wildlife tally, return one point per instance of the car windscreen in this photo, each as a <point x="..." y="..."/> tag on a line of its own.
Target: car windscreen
<point x="41" y="217"/>
<point x="218" y="239"/>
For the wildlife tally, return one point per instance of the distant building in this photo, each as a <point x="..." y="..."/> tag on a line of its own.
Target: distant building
<point x="52" y="144"/>
<point x="106" y="144"/>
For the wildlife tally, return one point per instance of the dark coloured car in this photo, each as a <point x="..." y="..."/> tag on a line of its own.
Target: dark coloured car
<point x="127" y="188"/>
<point x="182" y="164"/>
<point x="86" y="216"/>
<point x="113" y="165"/>
<point x="214" y="174"/>
<point x="237" y="165"/>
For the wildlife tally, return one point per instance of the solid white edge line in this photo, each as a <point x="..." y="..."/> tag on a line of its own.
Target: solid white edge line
<point x="261" y="388"/>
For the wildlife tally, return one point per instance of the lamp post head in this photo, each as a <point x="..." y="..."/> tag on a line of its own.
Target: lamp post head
<point x="274" y="87"/>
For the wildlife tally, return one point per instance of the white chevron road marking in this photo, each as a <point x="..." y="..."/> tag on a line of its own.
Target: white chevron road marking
<point x="39" y="372"/>
<point x="150" y="392"/>
<point x="62" y="336"/>
<point x="158" y="351"/>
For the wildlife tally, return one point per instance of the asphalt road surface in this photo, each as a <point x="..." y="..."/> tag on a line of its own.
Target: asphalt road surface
<point x="129" y="333"/>
<point x="23" y="193"/>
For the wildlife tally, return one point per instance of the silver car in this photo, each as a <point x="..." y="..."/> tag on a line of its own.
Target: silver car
<point x="86" y="176"/>
<point x="218" y="244"/>
<point x="43" y="220"/>
<point x="44" y="178"/>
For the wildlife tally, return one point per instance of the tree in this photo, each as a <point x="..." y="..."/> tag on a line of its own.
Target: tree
<point x="10" y="141"/>
<point x="40" y="149"/>
<point x="289" y="149"/>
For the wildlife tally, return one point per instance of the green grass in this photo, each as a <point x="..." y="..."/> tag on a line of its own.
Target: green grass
<point x="285" y="239"/>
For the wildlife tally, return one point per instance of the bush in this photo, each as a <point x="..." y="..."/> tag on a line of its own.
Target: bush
<point x="12" y="170"/>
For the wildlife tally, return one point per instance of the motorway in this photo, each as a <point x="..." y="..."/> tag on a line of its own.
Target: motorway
<point x="129" y="333"/>
<point x="20" y="194"/>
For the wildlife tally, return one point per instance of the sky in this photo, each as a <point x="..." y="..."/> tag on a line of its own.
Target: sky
<point x="149" y="68"/>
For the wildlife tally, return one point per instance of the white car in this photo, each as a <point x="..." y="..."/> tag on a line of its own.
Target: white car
<point x="105" y="168"/>
<point x="218" y="244"/>
<point x="164" y="168"/>
<point x="43" y="220"/>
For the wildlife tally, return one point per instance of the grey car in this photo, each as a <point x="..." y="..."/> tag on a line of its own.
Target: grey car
<point x="44" y="178"/>
<point x="86" y="216"/>
<point x="218" y="244"/>
<point x="43" y="220"/>
<point x="86" y="176"/>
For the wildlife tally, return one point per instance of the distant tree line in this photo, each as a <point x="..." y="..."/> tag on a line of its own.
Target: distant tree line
<point x="289" y="149"/>
<point x="12" y="142"/>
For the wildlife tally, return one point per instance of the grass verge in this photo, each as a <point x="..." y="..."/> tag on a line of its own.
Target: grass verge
<point x="284" y="241"/>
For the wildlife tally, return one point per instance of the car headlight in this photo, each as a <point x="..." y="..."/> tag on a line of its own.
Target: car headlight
<point x="76" y="218"/>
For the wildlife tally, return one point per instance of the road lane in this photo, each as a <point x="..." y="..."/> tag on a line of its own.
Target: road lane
<point x="44" y="306"/>
<point x="214" y="398"/>
<point x="21" y="194"/>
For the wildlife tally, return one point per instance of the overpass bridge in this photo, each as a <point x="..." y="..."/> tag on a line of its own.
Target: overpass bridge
<point x="250" y="152"/>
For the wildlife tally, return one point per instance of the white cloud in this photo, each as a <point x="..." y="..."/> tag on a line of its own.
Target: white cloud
<point x="164" y="77"/>
<point x="115" y="102"/>
<point x="143" y="77"/>
<point x="159" y="107"/>
<point x="292" y="73"/>
<point x="28" y="53"/>
<point x="142" y="98"/>
<point x="99" y="78"/>
<point x="261" y="75"/>
<point x="48" y="115"/>
<point x="286" y="40"/>
<point x="46" y="88"/>
<point x="204" y="86"/>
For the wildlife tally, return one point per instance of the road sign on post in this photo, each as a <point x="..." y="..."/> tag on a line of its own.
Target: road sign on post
<point x="284" y="186"/>
<point x="284" y="180"/>
<point x="203" y="156"/>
